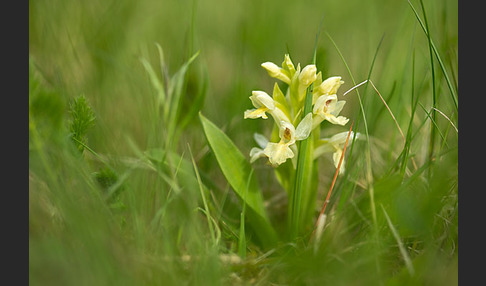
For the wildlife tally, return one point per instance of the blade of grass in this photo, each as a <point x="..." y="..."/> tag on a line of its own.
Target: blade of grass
<point x="434" y="49"/>
<point x="242" y="237"/>
<point x="445" y="116"/>
<point x="346" y="174"/>
<point x="434" y="93"/>
<point x="433" y="122"/>
<point x="403" y="252"/>
<point x="394" y="119"/>
<point x="369" y="174"/>
<point x="336" y="173"/>
<point x="389" y="110"/>
<point x="176" y="90"/>
<point x="203" y="196"/>
<point x="406" y="148"/>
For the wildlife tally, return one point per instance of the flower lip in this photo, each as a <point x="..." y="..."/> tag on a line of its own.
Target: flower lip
<point x="327" y="107"/>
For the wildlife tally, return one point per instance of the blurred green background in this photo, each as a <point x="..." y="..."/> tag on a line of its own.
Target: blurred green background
<point x="93" y="48"/>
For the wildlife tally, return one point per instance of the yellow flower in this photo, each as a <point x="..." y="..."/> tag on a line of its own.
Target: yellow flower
<point x="330" y="85"/>
<point x="264" y="103"/>
<point x="327" y="107"/>
<point x="277" y="72"/>
<point x="257" y="152"/>
<point x="288" y="65"/>
<point x="327" y="87"/>
<point x="335" y="144"/>
<point x="278" y="153"/>
<point x="306" y="77"/>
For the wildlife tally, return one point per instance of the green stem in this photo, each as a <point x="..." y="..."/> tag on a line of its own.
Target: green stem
<point x="295" y="200"/>
<point x="299" y="172"/>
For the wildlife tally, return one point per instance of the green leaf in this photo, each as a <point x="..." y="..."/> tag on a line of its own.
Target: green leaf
<point x="279" y="97"/>
<point x="237" y="170"/>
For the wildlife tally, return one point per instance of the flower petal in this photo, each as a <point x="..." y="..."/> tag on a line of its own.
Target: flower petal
<point x="337" y="107"/>
<point x="279" y="116"/>
<point x="256" y="113"/>
<point x="261" y="140"/>
<point x="326" y="147"/>
<point x="336" y="157"/>
<point x="256" y="153"/>
<point x="278" y="153"/>
<point x="261" y="98"/>
<point x="330" y="85"/>
<point x="340" y="138"/>
<point x="323" y="101"/>
<point x="288" y="65"/>
<point x="340" y="120"/>
<point x="308" y="75"/>
<point x="287" y="132"/>
<point x="304" y="128"/>
<point x="276" y="72"/>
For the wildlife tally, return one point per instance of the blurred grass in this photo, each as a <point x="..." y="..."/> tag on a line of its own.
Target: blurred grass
<point x="140" y="236"/>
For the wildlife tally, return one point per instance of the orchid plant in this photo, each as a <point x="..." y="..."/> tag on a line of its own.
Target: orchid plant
<point x="294" y="122"/>
<point x="291" y="149"/>
<point x="286" y="112"/>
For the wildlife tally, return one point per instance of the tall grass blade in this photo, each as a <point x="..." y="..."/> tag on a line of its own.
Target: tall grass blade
<point x="434" y="49"/>
<point x="203" y="196"/>
<point x="403" y="251"/>
<point x="242" y="236"/>
<point x="369" y="175"/>
<point x="321" y="218"/>
<point x="336" y="173"/>
<point x="434" y="123"/>
<point x="434" y="93"/>
<point x="408" y="141"/>
<point x="176" y="88"/>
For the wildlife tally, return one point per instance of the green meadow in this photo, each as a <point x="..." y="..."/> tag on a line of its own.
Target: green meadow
<point x="144" y="166"/>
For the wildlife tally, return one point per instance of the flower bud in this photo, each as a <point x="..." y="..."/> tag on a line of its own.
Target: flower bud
<point x="330" y="85"/>
<point x="261" y="98"/>
<point x="288" y="65"/>
<point x="276" y="72"/>
<point x="272" y="69"/>
<point x="308" y="75"/>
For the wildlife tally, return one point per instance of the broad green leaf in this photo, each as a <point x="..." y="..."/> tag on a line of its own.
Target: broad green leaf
<point x="236" y="170"/>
